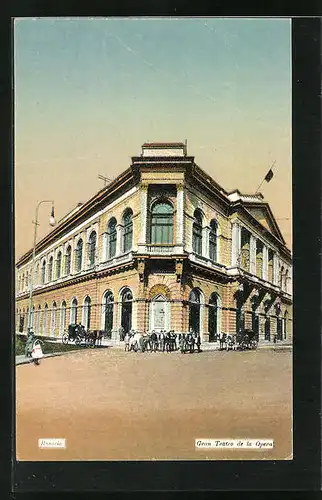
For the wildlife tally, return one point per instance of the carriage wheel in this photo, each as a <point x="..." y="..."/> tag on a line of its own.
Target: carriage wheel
<point x="65" y="338"/>
<point x="254" y="344"/>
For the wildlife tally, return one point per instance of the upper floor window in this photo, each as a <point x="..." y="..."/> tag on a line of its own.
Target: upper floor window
<point x="58" y="265"/>
<point x="50" y="268"/>
<point x="213" y="240"/>
<point x="281" y="277"/>
<point x="43" y="272"/>
<point x="92" y="248"/>
<point x="127" y="230"/>
<point x="197" y="232"/>
<point x="68" y="258"/>
<point x="79" y="255"/>
<point x="111" y="234"/>
<point x="23" y="282"/>
<point x="162" y="223"/>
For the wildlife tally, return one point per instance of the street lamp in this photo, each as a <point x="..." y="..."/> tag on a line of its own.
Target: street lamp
<point x="52" y="222"/>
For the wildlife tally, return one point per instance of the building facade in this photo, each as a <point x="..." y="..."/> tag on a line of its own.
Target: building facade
<point x="163" y="246"/>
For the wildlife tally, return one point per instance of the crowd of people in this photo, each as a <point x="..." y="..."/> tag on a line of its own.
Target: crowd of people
<point x="163" y="341"/>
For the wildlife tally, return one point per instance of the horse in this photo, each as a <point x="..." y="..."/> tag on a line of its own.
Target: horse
<point x="94" y="337"/>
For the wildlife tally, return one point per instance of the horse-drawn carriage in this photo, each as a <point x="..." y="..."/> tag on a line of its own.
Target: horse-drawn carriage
<point x="244" y="340"/>
<point x="78" y="334"/>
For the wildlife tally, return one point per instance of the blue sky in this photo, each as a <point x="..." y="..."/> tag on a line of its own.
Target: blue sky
<point x="89" y="92"/>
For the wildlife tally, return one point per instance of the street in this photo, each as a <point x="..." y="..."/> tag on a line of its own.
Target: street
<point x="112" y="405"/>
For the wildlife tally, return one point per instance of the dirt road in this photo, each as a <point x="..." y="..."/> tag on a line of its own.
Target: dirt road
<point x="111" y="405"/>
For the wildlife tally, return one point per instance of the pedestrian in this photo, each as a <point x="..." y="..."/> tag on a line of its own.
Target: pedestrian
<point x="121" y="332"/>
<point x="127" y="342"/>
<point x="29" y="343"/>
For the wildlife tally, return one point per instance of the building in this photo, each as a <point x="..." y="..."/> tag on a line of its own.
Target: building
<point x="163" y="246"/>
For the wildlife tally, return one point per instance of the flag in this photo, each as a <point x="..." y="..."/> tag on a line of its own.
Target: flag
<point x="269" y="175"/>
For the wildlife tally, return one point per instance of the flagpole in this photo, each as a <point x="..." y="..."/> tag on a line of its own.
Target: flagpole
<point x="257" y="190"/>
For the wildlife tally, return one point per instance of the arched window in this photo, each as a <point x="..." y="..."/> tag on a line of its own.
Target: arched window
<point x="50" y="268"/>
<point x="92" y="248"/>
<point x="245" y="249"/>
<point x="36" y="276"/>
<point x="127" y="230"/>
<point x="108" y="308"/>
<point x="86" y="320"/>
<point x="197" y="233"/>
<point x="162" y="223"/>
<point x="62" y="318"/>
<point x="270" y="265"/>
<point x="194" y="310"/>
<point x="73" y="312"/>
<point x="43" y="272"/>
<point x="285" y="319"/>
<point x="286" y="281"/>
<point x="111" y="237"/>
<point x="281" y="277"/>
<point x="58" y="265"/>
<point x="213" y="241"/>
<point x="37" y="322"/>
<point x="126" y="309"/>
<point x="45" y="320"/>
<point x="79" y="255"/>
<point x="213" y="317"/>
<point x="68" y="259"/>
<point x="53" y="319"/>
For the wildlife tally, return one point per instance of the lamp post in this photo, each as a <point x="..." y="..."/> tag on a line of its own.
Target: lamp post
<point x="52" y="222"/>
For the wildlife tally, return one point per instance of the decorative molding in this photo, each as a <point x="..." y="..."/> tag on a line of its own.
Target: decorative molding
<point x="160" y="289"/>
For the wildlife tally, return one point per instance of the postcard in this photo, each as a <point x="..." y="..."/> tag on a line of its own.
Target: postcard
<point x="153" y="219"/>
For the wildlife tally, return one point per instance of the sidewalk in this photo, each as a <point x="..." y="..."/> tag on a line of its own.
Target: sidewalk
<point x="22" y="360"/>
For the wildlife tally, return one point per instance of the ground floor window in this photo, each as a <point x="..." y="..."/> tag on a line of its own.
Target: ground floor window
<point x="86" y="321"/>
<point x="108" y="307"/>
<point x="279" y="329"/>
<point x="194" y="310"/>
<point x="255" y="322"/>
<point x="240" y="320"/>
<point x="267" y="329"/>
<point x="285" y="324"/>
<point x="126" y="309"/>
<point x="62" y="318"/>
<point x="73" y="312"/>
<point x="53" y="320"/>
<point x="213" y="317"/>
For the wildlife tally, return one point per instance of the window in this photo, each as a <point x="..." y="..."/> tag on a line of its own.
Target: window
<point x="194" y="311"/>
<point x="127" y="230"/>
<point x="58" y="265"/>
<point x="87" y="313"/>
<point x="92" y="248"/>
<point x="213" y="241"/>
<point x="213" y="317"/>
<point x="126" y="310"/>
<point x="43" y="272"/>
<point x="68" y="258"/>
<point x="23" y="282"/>
<point x="197" y="233"/>
<point x="50" y="268"/>
<point x="111" y="235"/>
<point x="53" y="320"/>
<point x="73" y="312"/>
<point x="281" y="277"/>
<point x="162" y="223"/>
<point x="62" y="317"/>
<point x="45" y="319"/>
<point x="259" y="259"/>
<point x="79" y="255"/>
<point x="108" y="312"/>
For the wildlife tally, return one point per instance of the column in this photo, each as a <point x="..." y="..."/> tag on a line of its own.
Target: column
<point x="252" y="254"/>
<point x="119" y="234"/>
<point x="180" y="214"/>
<point x="265" y="263"/>
<point x="143" y="213"/>
<point x="205" y="241"/>
<point x="275" y="269"/>
<point x="235" y="243"/>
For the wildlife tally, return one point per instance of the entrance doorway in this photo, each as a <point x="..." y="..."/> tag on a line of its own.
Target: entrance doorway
<point x="159" y="313"/>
